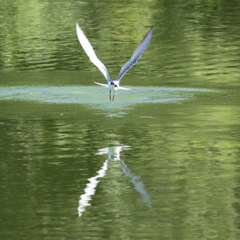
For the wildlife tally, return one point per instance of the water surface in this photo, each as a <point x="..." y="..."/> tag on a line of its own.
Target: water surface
<point x="161" y="162"/>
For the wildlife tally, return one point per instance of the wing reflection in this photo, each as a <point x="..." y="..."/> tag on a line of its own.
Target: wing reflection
<point x="113" y="154"/>
<point x="91" y="188"/>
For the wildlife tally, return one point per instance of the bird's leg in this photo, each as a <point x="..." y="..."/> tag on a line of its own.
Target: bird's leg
<point x="110" y="96"/>
<point x="113" y="96"/>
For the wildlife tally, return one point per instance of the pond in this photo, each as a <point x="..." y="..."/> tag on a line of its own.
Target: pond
<point x="160" y="162"/>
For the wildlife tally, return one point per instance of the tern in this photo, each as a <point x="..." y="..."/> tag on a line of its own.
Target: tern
<point x="113" y="85"/>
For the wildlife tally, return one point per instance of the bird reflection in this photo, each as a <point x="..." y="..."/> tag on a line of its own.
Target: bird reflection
<point x="113" y="154"/>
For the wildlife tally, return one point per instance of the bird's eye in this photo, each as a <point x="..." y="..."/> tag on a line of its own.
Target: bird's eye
<point x="112" y="83"/>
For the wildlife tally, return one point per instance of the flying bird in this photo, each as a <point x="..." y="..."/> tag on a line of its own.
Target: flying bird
<point x="113" y="85"/>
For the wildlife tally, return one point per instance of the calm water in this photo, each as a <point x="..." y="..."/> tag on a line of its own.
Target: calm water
<point x="161" y="162"/>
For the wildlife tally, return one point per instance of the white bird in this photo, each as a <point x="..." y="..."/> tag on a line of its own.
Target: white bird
<point x="113" y="85"/>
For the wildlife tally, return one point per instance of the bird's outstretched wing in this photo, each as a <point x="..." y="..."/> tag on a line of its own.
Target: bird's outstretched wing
<point x="137" y="54"/>
<point x="101" y="84"/>
<point x="86" y="45"/>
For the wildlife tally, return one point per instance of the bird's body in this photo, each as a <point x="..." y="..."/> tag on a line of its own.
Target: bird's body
<point x="113" y="85"/>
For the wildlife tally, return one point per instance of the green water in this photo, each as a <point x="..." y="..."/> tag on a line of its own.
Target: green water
<point x="161" y="162"/>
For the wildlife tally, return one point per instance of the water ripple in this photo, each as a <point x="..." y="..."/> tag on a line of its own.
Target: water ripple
<point x="97" y="98"/>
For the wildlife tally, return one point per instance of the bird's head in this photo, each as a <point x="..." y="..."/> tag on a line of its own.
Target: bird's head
<point x="114" y="84"/>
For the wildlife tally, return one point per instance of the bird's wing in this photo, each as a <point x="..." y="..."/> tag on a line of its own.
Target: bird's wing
<point x="137" y="54"/>
<point x="123" y="88"/>
<point x="86" y="45"/>
<point x="101" y="84"/>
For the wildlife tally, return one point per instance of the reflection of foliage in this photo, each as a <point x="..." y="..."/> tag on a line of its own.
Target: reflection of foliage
<point x="190" y="171"/>
<point x="194" y="39"/>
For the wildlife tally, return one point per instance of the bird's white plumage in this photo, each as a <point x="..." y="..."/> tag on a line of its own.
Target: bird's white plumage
<point x="90" y="52"/>
<point x="137" y="54"/>
<point x="113" y="85"/>
<point x="101" y="84"/>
